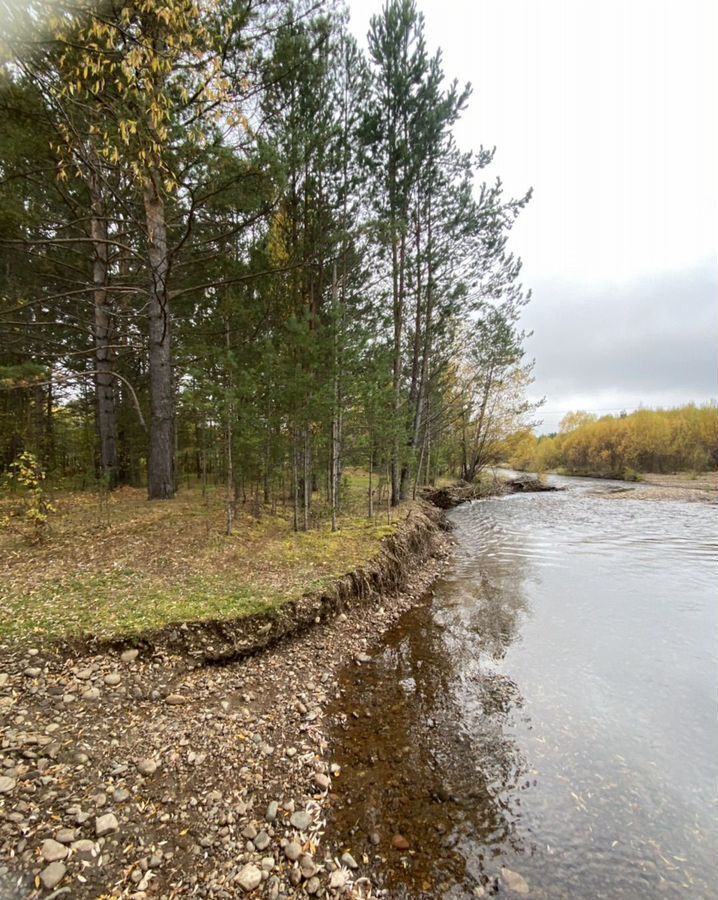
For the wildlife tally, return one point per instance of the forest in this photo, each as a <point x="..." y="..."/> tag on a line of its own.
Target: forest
<point x="239" y="250"/>
<point x="623" y="446"/>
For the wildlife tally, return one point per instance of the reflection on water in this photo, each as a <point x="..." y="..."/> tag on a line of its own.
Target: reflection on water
<point x="550" y="709"/>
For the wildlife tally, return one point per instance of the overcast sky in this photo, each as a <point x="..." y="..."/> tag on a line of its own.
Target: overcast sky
<point x="609" y="111"/>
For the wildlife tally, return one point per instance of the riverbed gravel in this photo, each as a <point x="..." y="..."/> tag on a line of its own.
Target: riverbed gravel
<point x="154" y="776"/>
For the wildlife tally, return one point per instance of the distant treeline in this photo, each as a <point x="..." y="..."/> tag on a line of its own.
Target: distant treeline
<point x="660" y="440"/>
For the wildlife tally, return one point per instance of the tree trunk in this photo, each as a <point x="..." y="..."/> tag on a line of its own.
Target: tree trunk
<point x="161" y="470"/>
<point x="307" y="478"/>
<point x="334" y="461"/>
<point x="104" y="380"/>
<point x="371" y="486"/>
<point x="231" y="489"/>
<point x="398" y="313"/>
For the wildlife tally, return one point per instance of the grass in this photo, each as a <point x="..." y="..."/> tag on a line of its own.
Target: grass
<point x="119" y="566"/>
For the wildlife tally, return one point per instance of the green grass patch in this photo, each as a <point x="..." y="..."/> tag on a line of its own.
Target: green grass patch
<point x="121" y="566"/>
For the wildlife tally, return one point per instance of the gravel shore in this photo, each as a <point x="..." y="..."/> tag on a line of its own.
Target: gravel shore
<point x="131" y="774"/>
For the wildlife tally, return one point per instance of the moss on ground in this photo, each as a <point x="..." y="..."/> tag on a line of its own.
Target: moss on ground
<point x="119" y="566"/>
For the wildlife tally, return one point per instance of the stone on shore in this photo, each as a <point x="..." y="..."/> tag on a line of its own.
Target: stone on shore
<point x="248" y="878"/>
<point x="7" y="784"/>
<point x="53" y="850"/>
<point x="300" y="820"/>
<point x="106" y="824"/>
<point x="52" y="875"/>
<point x="147" y="766"/>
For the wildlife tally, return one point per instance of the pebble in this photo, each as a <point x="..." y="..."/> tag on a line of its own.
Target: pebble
<point x="248" y="878"/>
<point x="92" y="693"/>
<point x="114" y="678"/>
<point x="52" y="875"/>
<point x="32" y="672"/>
<point x="293" y="850"/>
<point x="129" y="656"/>
<point x="65" y="835"/>
<point x="4" y="677"/>
<point x="84" y="849"/>
<point x="106" y="824"/>
<point x="307" y="865"/>
<point x="53" y="850"/>
<point x="514" y="881"/>
<point x="313" y="885"/>
<point x="322" y="781"/>
<point x="348" y="860"/>
<point x="119" y="795"/>
<point x="6" y="784"/>
<point x="272" y="811"/>
<point x="262" y="841"/>
<point x="175" y="699"/>
<point x="300" y="820"/>
<point x="399" y="842"/>
<point x="147" y="766"/>
<point x="363" y="658"/>
<point x="83" y="674"/>
<point x="338" y="879"/>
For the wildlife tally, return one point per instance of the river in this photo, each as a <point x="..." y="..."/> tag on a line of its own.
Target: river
<point x="545" y="722"/>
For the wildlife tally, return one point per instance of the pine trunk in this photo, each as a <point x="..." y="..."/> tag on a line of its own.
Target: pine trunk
<point x="104" y="377"/>
<point x="161" y="472"/>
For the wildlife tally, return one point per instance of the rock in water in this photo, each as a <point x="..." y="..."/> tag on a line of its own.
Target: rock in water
<point x="514" y="881"/>
<point x="248" y="878"/>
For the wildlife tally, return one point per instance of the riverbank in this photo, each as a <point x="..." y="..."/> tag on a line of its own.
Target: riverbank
<point x="144" y="774"/>
<point x="114" y="568"/>
<point x="684" y="486"/>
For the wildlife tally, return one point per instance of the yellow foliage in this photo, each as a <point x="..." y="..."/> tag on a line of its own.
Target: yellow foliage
<point x="660" y="440"/>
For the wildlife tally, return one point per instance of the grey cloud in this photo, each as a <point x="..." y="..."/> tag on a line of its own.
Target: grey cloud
<point x="652" y="342"/>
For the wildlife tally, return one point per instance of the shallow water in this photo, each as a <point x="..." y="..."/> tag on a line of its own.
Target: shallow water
<point x="550" y="709"/>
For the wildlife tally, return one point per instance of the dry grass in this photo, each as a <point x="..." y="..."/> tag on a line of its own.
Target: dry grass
<point x="122" y="565"/>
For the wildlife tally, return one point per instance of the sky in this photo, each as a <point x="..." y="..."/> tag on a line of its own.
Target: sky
<point x="609" y="111"/>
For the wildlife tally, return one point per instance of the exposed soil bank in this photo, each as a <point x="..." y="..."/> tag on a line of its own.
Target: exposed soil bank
<point x="222" y="640"/>
<point x="151" y="775"/>
<point x="463" y="492"/>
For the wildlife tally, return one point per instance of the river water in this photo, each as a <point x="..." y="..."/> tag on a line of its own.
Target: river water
<point x="550" y="709"/>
